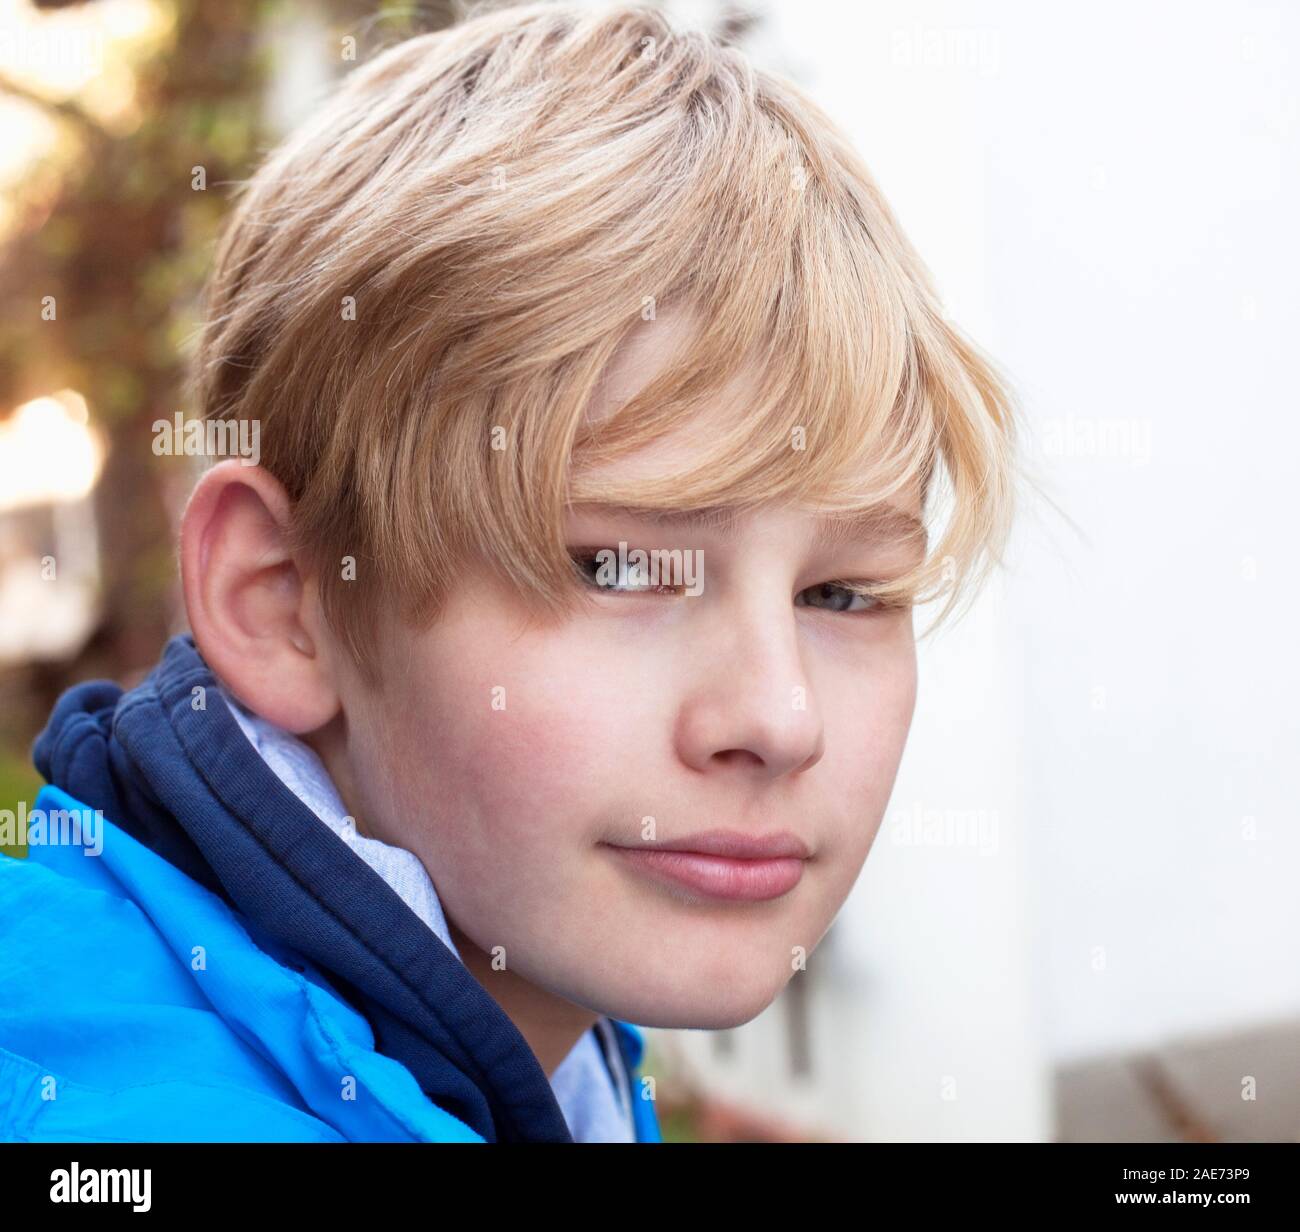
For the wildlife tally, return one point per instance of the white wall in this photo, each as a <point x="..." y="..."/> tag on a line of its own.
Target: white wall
<point x="1151" y="226"/>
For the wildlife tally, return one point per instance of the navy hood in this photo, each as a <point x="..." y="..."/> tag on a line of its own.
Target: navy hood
<point x="167" y="762"/>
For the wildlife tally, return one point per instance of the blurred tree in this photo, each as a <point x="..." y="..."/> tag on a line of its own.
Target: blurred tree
<point x="119" y="239"/>
<point x="111" y="225"/>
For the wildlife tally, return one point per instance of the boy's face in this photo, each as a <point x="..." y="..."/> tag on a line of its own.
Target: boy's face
<point x="677" y="708"/>
<point x="522" y="759"/>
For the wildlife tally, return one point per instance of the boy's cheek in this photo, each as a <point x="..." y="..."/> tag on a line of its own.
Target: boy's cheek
<point x="864" y="750"/>
<point x="512" y="755"/>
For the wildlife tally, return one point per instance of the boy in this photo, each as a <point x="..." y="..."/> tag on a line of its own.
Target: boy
<point x="551" y="670"/>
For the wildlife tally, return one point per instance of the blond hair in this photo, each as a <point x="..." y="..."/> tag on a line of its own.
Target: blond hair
<point x="419" y="291"/>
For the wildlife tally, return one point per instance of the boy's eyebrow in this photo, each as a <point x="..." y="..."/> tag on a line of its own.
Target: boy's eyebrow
<point x="882" y="523"/>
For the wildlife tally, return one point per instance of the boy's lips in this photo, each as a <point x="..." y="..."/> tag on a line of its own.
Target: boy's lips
<point x="736" y="844"/>
<point x="724" y="864"/>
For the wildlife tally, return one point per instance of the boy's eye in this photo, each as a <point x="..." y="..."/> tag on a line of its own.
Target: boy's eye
<point x="603" y="570"/>
<point x="836" y="598"/>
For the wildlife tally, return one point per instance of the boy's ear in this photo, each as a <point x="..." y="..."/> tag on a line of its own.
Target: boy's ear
<point x="255" y="617"/>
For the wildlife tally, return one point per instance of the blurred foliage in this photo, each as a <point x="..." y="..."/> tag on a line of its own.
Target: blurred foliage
<point x="121" y="241"/>
<point x="18" y="781"/>
<point x="109" y="223"/>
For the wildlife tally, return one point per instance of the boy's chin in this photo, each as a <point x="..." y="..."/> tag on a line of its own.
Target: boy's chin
<point x="698" y="1009"/>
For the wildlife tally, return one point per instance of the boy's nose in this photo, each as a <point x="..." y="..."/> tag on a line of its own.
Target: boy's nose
<point x="755" y="709"/>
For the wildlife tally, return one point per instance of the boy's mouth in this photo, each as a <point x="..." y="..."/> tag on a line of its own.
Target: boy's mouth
<point x="723" y="864"/>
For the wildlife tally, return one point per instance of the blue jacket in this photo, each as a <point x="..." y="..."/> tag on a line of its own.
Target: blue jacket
<point x="226" y="969"/>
